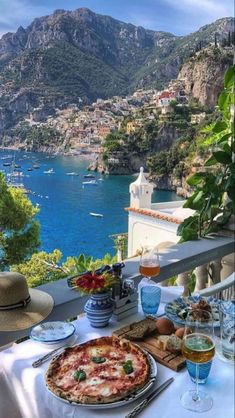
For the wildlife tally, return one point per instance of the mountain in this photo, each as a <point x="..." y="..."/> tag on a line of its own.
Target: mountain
<point x="79" y="56"/>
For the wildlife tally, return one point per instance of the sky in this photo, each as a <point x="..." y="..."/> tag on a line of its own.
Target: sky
<point x="180" y="17"/>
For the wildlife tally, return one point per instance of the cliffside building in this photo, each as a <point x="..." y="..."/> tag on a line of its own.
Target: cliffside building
<point x="151" y="223"/>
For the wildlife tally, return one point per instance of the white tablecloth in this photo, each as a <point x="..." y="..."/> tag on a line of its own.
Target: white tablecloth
<point x="32" y="400"/>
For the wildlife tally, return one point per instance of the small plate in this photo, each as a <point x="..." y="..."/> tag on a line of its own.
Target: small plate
<point x="128" y="399"/>
<point x="173" y="308"/>
<point x="52" y="332"/>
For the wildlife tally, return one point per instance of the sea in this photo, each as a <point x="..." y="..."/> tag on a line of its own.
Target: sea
<point x="65" y="203"/>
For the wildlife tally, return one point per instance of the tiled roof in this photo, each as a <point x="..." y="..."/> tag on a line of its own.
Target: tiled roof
<point x="155" y="214"/>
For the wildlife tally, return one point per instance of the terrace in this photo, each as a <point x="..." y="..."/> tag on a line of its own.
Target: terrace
<point x="212" y="259"/>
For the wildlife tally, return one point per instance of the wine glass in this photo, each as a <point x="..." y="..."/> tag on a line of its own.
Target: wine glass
<point x="150" y="294"/>
<point x="149" y="262"/>
<point x="198" y="348"/>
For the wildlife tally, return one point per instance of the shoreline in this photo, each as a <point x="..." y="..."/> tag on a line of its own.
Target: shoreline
<point x="88" y="156"/>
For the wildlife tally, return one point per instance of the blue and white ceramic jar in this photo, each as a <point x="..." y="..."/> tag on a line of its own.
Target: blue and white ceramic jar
<point x="99" y="309"/>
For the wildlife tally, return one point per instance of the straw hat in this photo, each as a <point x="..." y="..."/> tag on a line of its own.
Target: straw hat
<point x="21" y="307"/>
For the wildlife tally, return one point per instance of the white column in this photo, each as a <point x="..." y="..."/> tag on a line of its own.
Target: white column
<point x="183" y="279"/>
<point x="215" y="269"/>
<point x="201" y="273"/>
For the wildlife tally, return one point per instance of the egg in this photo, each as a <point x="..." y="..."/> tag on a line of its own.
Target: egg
<point x="165" y="326"/>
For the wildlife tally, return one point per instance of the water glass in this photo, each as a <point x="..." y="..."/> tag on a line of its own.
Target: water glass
<point x="150" y="297"/>
<point x="227" y="329"/>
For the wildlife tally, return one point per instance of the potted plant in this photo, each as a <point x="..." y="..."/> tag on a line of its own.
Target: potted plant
<point x="99" y="307"/>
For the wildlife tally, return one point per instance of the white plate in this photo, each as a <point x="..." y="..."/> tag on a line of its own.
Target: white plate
<point x="125" y="401"/>
<point x="52" y="332"/>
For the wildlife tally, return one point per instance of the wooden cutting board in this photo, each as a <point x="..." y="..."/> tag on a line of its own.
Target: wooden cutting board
<point x="174" y="361"/>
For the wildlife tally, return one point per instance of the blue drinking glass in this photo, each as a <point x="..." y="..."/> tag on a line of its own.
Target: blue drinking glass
<point x="203" y="371"/>
<point x="150" y="297"/>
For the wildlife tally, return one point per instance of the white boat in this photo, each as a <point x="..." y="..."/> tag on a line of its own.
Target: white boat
<point x="98" y="215"/>
<point x="50" y="171"/>
<point x="89" y="176"/>
<point x="72" y="174"/>
<point x="90" y="183"/>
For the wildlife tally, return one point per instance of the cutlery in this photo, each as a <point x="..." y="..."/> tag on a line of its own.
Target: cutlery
<point x="149" y="398"/>
<point x="42" y="360"/>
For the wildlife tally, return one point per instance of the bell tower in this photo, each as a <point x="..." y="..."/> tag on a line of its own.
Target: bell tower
<point x="141" y="192"/>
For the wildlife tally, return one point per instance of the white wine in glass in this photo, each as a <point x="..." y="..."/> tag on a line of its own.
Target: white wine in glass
<point x="198" y="347"/>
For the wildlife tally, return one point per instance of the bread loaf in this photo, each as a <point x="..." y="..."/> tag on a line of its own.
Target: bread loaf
<point x="161" y="342"/>
<point x="174" y="344"/>
<point x="170" y="343"/>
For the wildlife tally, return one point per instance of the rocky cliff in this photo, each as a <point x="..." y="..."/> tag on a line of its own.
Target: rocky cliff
<point x="76" y="57"/>
<point x="204" y="72"/>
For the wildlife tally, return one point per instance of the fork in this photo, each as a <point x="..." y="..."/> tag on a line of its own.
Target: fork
<point x="47" y="356"/>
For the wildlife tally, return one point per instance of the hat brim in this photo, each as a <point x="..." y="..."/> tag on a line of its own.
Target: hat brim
<point x="38" y="308"/>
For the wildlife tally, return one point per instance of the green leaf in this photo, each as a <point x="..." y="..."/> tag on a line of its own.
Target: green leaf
<point x="98" y="360"/>
<point x="207" y="128"/>
<point x="222" y="157"/>
<point x="219" y="126"/>
<point x="79" y="375"/>
<point x="128" y="367"/>
<point x="224" y="137"/>
<point x="198" y="196"/>
<point x="229" y="78"/>
<point x="211" y="161"/>
<point x="196" y="179"/>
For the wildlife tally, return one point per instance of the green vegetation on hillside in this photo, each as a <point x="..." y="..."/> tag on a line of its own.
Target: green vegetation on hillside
<point x="19" y="231"/>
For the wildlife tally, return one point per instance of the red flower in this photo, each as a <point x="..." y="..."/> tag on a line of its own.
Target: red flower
<point x="89" y="282"/>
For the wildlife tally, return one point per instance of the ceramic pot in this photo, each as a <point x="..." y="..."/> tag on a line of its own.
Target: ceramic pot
<point x="99" y="309"/>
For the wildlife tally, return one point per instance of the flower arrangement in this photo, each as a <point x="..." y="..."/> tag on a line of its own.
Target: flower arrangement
<point x="90" y="282"/>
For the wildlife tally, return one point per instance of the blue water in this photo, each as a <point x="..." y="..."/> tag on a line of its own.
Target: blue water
<point x="65" y="203"/>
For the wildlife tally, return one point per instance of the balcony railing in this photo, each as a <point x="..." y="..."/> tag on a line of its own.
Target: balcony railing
<point x="176" y="260"/>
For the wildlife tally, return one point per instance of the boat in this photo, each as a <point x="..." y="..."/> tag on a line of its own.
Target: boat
<point x="89" y="176"/>
<point x="29" y="169"/>
<point x="36" y="166"/>
<point x="50" y="171"/>
<point x="7" y="164"/>
<point x="98" y="215"/>
<point x="17" y="174"/>
<point x="90" y="183"/>
<point x="72" y="174"/>
<point x="6" y="157"/>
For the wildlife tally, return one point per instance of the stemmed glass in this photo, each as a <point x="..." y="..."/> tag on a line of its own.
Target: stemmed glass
<point x="150" y="294"/>
<point x="149" y="262"/>
<point x="198" y="348"/>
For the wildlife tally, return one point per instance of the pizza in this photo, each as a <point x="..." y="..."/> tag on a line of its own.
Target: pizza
<point x="102" y="370"/>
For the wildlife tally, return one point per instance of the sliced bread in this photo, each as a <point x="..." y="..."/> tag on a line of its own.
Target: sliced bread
<point x="140" y="329"/>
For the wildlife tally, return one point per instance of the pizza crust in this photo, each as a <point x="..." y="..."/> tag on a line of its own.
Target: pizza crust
<point x="113" y="383"/>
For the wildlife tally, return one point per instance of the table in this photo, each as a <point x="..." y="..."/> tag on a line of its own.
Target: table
<point x="31" y="399"/>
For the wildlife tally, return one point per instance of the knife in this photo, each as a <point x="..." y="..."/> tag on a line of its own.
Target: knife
<point x="149" y="399"/>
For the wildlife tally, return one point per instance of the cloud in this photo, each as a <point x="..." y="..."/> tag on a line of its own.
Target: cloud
<point x="211" y="9"/>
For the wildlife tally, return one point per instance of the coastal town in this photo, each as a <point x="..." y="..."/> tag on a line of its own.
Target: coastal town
<point x="83" y="130"/>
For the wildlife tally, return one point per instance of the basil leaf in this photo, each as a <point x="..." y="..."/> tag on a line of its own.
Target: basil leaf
<point x="98" y="359"/>
<point x="79" y="375"/>
<point x="128" y="367"/>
